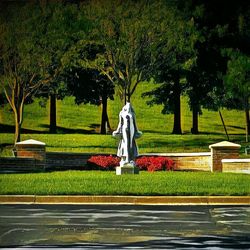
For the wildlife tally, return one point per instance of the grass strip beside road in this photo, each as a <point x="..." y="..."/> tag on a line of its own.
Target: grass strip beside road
<point x="107" y="183"/>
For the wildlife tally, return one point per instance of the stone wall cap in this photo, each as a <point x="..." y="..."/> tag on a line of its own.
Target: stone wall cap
<point x="177" y="154"/>
<point x="236" y="160"/>
<point x="31" y="142"/>
<point x="225" y="144"/>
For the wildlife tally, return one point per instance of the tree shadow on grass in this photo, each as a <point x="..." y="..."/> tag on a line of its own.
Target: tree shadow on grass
<point x="6" y="146"/>
<point x="84" y="146"/>
<point x="155" y="132"/>
<point x="7" y="128"/>
<point x="180" y="145"/>
<point x="4" y="128"/>
<point x="63" y="130"/>
<point x="237" y="127"/>
<point x="183" y="133"/>
<point x="207" y="133"/>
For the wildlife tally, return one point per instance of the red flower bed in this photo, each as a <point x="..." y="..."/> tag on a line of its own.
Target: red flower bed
<point x="155" y="163"/>
<point x="103" y="162"/>
<point x="149" y="163"/>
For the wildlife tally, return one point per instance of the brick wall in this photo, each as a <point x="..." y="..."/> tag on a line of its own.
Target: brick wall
<point x="222" y="150"/>
<point x="26" y="149"/>
<point x="219" y="154"/>
<point x="35" y="158"/>
<point x="12" y="164"/>
<point x="65" y="161"/>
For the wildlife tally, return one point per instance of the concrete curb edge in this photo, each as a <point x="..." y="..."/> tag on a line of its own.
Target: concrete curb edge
<point x="125" y="200"/>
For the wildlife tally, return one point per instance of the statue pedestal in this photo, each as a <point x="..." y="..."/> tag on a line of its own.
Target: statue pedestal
<point x="128" y="169"/>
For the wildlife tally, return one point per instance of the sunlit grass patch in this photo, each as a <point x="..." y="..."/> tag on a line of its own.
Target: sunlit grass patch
<point x="107" y="183"/>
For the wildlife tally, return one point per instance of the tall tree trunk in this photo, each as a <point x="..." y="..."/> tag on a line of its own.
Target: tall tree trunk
<point x="195" y="126"/>
<point x="18" y="113"/>
<point x="125" y="96"/>
<point x="16" y="100"/>
<point x="247" y="124"/>
<point x="105" y="120"/>
<point x="17" y="128"/>
<point x="52" y="125"/>
<point x="177" y="109"/>
<point x="128" y="96"/>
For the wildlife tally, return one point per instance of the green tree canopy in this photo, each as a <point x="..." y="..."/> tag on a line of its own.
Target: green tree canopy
<point x="61" y="26"/>
<point x="21" y="62"/>
<point x="175" y="55"/>
<point x="237" y="84"/>
<point x="126" y="30"/>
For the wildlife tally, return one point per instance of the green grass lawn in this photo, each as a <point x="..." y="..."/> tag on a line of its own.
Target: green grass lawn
<point x="79" y="125"/>
<point x="107" y="183"/>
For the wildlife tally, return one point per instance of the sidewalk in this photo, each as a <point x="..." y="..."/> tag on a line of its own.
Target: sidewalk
<point x="126" y="200"/>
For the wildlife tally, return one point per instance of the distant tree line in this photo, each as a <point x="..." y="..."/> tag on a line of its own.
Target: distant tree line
<point x="88" y="49"/>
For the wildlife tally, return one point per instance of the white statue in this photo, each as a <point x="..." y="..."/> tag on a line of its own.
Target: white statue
<point x="127" y="132"/>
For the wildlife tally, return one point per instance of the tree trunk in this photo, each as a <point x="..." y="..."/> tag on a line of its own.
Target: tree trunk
<point x="125" y="96"/>
<point x="247" y="124"/>
<point x="129" y="97"/>
<point x="16" y="100"/>
<point x="52" y="125"/>
<point x="104" y="114"/>
<point x="195" y="127"/>
<point x="105" y="121"/>
<point x="18" y="113"/>
<point x="177" y="109"/>
<point x="17" y="129"/>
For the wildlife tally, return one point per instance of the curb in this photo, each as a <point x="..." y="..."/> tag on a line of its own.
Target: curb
<point x="125" y="200"/>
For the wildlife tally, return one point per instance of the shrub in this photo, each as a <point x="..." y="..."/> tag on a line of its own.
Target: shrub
<point x="149" y="163"/>
<point x="155" y="163"/>
<point x="105" y="162"/>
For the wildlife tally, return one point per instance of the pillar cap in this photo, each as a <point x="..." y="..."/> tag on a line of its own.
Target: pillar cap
<point x="31" y="142"/>
<point x="225" y="144"/>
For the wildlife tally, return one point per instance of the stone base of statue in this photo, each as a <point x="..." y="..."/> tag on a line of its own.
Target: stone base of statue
<point x="127" y="169"/>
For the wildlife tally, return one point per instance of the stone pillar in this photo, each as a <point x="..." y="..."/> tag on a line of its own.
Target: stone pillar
<point x="32" y="149"/>
<point x="223" y="150"/>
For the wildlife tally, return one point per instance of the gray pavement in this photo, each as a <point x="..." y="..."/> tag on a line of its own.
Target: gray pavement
<point x="124" y="227"/>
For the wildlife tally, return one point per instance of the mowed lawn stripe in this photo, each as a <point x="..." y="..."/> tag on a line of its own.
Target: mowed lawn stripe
<point x="107" y="183"/>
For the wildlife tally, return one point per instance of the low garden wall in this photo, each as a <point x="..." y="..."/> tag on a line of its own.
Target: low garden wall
<point x="31" y="156"/>
<point x="66" y="161"/>
<point x="189" y="161"/>
<point x="20" y="165"/>
<point x="236" y="165"/>
<point x="183" y="161"/>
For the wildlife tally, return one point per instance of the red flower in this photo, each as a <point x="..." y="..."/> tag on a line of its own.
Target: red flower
<point x="155" y="163"/>
<point x="103" y="162"/>
<point x="149" y="163"/>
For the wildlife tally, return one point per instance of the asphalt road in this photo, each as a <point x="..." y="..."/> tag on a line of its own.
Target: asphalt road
<point x="124" y="227"/>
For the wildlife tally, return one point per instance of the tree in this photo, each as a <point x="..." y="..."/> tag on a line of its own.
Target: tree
<point x="204" y="85"/>
<point x="237" y="77"/>
<point x="204" y="80"/>
<point x="21" y="75"/>
<point x="87" y="84"/>
<point x="125" y="30"/>
<point x="237" y="83"/>
<point x="175" y="55"/>
<point x="61" y="26"/>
